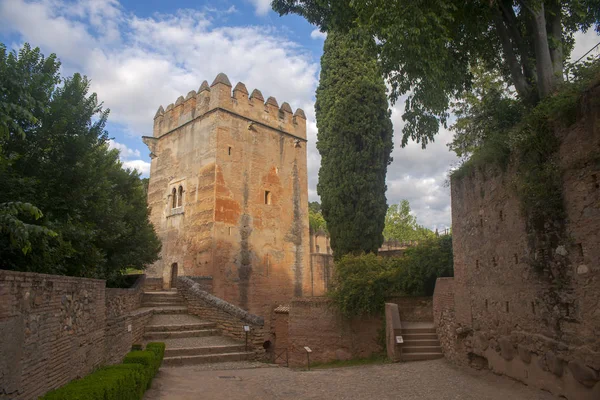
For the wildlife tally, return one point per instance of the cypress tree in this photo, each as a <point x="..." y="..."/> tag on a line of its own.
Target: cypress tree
<point x="355" y="142"/>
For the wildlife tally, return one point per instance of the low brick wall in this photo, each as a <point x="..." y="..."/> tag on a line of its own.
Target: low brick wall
<point x="315" y="323"/>
<point x="57" y="328"/>
<point x="414" y="309"/>
<point x="124" y="301"/>
<point x="230" y="319"/>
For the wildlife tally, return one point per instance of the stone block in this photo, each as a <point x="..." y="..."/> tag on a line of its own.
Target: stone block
<point x="524" y="354"/>
<point x="582" y="373"/>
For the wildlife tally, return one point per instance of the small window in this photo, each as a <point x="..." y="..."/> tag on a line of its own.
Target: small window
<point x="229" y="150"/>
<point x="174" y="199"/>
<point x="267" y="197"/>
<point x="229" y="231"/>
<point x="180" y="197"/>
<point x="501" y="216"/>
<point x="317" y="246"/>
<point x="507" y="306"/>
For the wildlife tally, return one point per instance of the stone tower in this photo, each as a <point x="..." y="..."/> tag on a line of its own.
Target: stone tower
<point x="228" y="194"/>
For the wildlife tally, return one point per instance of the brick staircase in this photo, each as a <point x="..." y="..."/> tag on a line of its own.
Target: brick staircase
<point x="420" y="342"/>
<point x="189" y="340"/>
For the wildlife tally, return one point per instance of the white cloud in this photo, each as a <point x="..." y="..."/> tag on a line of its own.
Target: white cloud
<point x="125" y="152"/>
<point x="317" y="34"/>
<point x="262" y="6"/>
<point x="141" y="166"/>
<point x="584" y="42"/>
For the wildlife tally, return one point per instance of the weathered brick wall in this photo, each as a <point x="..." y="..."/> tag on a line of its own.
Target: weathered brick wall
<point x="414" y="308"/>
<point x="510" y="317"/>
<point x="279" y="336"/>
<point x="230" y="319"/>
<point x="313" y="322"/>
<point x="52" y="330"/>
<point x="123" y="301"/>
<point x="56" y="328"/>
<point x="321" y="273"/>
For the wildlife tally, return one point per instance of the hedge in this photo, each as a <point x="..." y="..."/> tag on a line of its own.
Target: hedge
<point x="127" y="381"/>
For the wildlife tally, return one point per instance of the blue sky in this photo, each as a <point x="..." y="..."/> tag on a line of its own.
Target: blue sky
<point x="140" y="54"/>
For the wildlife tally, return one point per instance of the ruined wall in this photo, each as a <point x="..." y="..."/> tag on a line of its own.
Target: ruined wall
<point x="519" y="321"/>
<point x="56" y="328"/>
<point x="315" y="323"/>
<point x="244" y="218"/>
<point x="280" y="335"/>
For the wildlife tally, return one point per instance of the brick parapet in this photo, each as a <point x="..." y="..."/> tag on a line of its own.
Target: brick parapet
<point x="121" y="301"/>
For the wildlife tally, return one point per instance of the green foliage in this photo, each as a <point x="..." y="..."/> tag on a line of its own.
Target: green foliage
<point x="355" y="142"/>
<point x="401" y="225"/>
<point x="20" y="232"/>
<point x="127" y="381"/>
<point x="362" y="283"/>
<point x="61" y="163"/>
<point x="427" y="49"/>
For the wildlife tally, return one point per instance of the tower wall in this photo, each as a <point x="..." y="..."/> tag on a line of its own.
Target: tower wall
<point x="244" y="218"/>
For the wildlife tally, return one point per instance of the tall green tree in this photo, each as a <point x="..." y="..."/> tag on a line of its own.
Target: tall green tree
<point x="355" y="142"/>
<point x="56" y="156"/>
<point x="401" y="225"/>
<point x="427" y="48"/>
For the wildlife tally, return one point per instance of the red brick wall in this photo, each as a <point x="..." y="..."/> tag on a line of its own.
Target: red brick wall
<point x="313" y="322"/>
<point x="509" y="316"/>
<point x="279" y="337"/>
<point x="56" y="328"/>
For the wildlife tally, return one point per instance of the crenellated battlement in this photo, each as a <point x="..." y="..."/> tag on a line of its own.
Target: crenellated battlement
<point x="219" y="96"/>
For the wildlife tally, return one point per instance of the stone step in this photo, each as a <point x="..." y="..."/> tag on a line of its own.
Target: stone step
<point x="419" y="343"/>
<point x="163" y="304"/>
<point x="419" y="336"/>
<point x="180" y="327"/>
<point x="197" y="351"/>
<point x="421" y="356"/>
<point x="421" y="349"/>
<point x="172" y="292"/>
<point x="170" y="310"/>
<point x="205" y="359"/>
<point x="418" y="330"/>
<point x="180" y="334"/>
<point x="162" y="298"/>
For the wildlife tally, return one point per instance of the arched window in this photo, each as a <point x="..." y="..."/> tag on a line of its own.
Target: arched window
<point x="180" y="197"/>
<point x="174" y="199"/>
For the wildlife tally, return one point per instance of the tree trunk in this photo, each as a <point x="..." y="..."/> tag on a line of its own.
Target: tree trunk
<point x="512" y="23"/>
<point x="556" y="44"/>
<point x="543" y="61"/>
<point x="523" y="88"/>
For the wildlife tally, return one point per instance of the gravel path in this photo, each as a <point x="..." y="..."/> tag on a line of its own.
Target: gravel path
<point x="426" y="380"/>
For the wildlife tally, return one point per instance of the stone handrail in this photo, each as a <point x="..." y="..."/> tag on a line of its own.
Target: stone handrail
<point x="194" y="288"/>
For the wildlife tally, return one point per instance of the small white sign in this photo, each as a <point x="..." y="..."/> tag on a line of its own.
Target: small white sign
<point x="129" y="328"/>
<point x="308" y="350"/>
<point x="399" y="339"/>
<point x="246" y="328"/>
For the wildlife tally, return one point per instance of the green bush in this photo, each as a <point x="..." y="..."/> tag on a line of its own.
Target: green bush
<point x="146" y="358"/>
<point x="362" y="283"/>
<point x="127" y="381"/>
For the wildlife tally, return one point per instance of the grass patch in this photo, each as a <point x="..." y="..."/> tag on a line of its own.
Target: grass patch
<point x="355" y="362"/>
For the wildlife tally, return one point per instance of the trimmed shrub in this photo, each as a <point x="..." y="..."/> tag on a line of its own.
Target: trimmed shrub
<point x="127" y="381"/>
<point x="146" y="358"/>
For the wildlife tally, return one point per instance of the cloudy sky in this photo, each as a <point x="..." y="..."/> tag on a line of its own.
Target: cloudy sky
<point x="140" y="54"/>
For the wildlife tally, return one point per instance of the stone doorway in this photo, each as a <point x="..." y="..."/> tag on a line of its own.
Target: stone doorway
<point x="173" y="284"/>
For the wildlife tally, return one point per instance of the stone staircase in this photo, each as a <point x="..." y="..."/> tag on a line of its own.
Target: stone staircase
<point x="420" y="342"/>
<point x="189" y="340"/>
